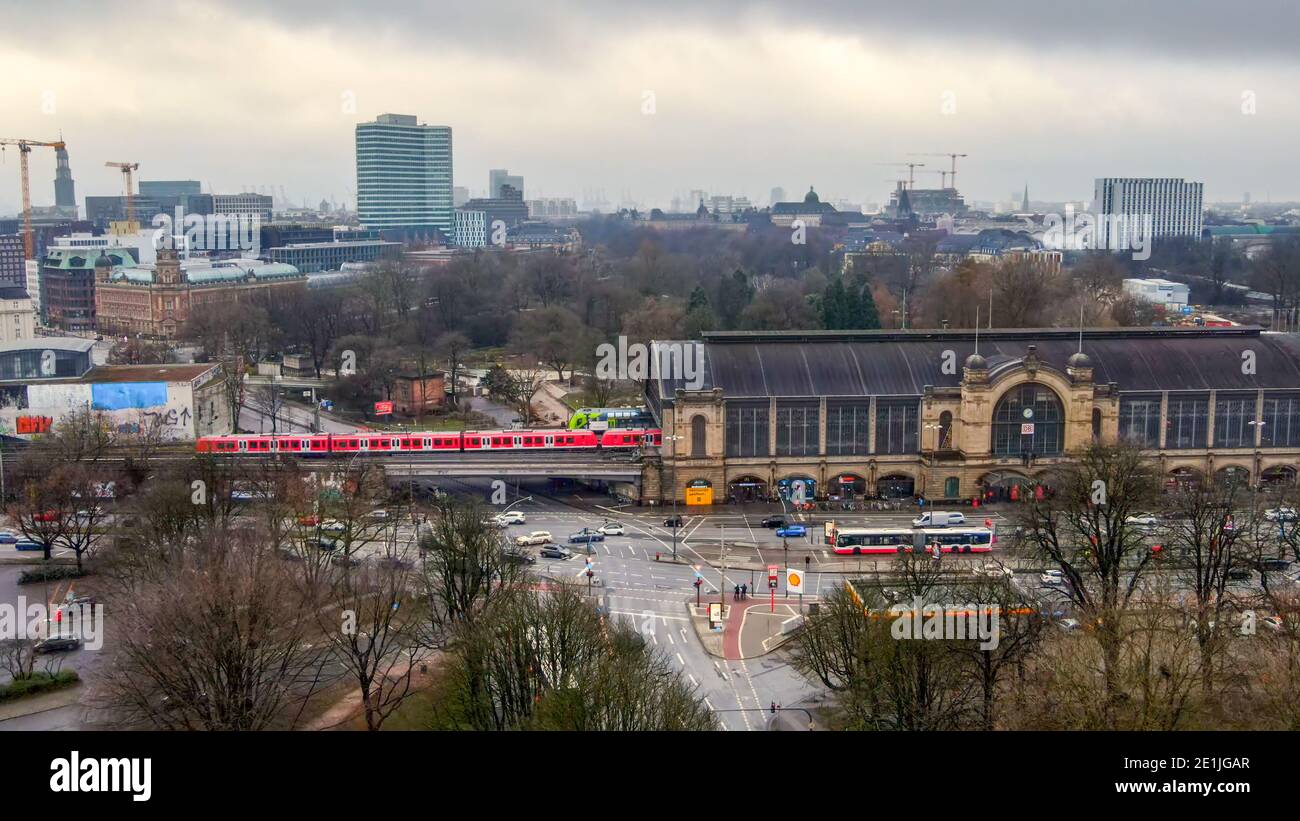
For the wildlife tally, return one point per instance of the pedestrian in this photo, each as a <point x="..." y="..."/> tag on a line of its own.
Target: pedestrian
<point x="774" y="708"/>
<point x="735" y="594"/>
<point x="744" y="591"/>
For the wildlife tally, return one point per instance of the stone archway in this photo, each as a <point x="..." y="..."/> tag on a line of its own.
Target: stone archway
<point x="747" y="488"/>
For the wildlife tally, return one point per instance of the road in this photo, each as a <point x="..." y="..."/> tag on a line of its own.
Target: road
<point x="291" y="418"/>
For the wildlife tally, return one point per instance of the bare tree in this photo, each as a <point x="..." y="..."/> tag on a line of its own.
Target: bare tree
<point x="216" y="640"/>
<point x="1084" y="529"/>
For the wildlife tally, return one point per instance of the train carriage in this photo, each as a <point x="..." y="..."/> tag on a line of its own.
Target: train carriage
<point x="426" y="441"/>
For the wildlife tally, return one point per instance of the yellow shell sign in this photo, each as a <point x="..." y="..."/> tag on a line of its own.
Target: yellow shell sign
<point x="793" y="581"/>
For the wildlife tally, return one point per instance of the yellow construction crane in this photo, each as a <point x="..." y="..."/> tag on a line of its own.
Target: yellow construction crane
<point x="127" y="168"/>
<point x="25" y="148"/>
<point x="953" y="172"/>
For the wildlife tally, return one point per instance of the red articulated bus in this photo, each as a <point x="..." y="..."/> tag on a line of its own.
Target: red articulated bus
<point x="426" y="442"/>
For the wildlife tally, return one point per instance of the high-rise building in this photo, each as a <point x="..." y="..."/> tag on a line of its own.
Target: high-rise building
<point x="404" y="174"/>
<point x="777" y="195"/>
<point x="499" y="178"/>
<point x="459" y="195"/>
<point x="1172" y="204"/>
<point x="65" y="191"/>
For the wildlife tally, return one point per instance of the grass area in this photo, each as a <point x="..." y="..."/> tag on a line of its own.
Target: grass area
<point x="38" y="682"/>
<point x="415" y="713"/>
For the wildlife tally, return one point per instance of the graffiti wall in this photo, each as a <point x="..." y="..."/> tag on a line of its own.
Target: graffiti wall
<point x="130" y="406"/>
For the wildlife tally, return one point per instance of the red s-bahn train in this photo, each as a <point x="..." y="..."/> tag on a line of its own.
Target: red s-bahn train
<point x="313" y="444"/>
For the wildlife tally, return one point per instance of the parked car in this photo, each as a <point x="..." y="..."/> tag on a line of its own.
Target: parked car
<point x="1239" y="574"/>
<point x="995" y="570"/>
<point x="936" y="518"/>
<point x="308" y="521"/>
<point x="586" y="535"/>
<point x="495" y="522"/>
<point x="57" y="644"/>
<point x="1281" y="514"/>
<point x="673" y="521"/>
<point x="1146" y="520"/>
<point x="535" y="538"/>
<point x="378" y="514"/>
<point x="1275" y="565"/>
<point x="27" y="544"/>
<point x="333" y="526"/>
<point x="324" y="543"/>
<point x="1069" y="625"/>
<point x="1052" y="578"/>
<point x="512" y="517"/>
<point x="612" y="529"/>
<point x="7" y="538"/>
<point x="773" y="521"/>
<point x="791" y="531"/>
<point x="554" y="551"/>
<point x="518" y="555"/>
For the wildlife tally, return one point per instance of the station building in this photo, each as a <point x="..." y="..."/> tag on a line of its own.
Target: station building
<point x="953" y="417"/>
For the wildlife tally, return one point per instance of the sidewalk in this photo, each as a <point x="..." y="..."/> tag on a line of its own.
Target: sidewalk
<point x="749" y="628"/>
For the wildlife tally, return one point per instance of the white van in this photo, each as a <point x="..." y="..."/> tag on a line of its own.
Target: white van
<point x="938" y="519"/>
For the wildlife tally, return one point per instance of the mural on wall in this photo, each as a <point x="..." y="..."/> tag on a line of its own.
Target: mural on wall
<point x="130" y="407"/>
<point x="112" y="396"/>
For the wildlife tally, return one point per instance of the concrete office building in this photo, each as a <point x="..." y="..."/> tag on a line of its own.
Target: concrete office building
<point x="404" y="175"/>
<point x="1172" y="204"/>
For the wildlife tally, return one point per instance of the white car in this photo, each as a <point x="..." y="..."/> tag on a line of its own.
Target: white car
<point x="994" y="570"/>
<point x="512" y="517"/>
<point x="1052" y="578"/>
<point x="1147" y="520"/>
<point x="537" y="537"/>
<point x="378" y="514"/>
<point x="1281" y="514"/>
<point x="1069" y="625"/>
<point x="333" y="526"/>
<point x="612" y="529"/>
<point x="939" y="519"/>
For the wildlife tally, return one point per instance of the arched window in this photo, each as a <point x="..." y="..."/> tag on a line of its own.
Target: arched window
<point x="1028" y="419"/>
<point x="699" y="431"/>
<point x="945" y="430"/>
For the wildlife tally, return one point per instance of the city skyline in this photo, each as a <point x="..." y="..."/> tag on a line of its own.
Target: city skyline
<point x="729" y="100"/>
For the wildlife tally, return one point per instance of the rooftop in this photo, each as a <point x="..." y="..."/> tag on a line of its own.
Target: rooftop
<point x="146" y="373"/>
<point x="903" y="363"/>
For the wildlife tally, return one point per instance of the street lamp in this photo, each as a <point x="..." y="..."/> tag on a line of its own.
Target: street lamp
<point x="671" y="437"/>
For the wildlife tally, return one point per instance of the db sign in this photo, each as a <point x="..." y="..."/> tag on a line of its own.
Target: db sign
<point x="1027" y="429"/>
<point x="383" y="408"/>
<point x="793" y="580"/>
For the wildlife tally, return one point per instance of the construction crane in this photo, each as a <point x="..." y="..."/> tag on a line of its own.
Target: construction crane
<point x="911" y="170"/>
<point x="943" y="177"/>
<point x="953" y="156"/>
<point x="25" y="148"/>
<point x="127" y="168"/>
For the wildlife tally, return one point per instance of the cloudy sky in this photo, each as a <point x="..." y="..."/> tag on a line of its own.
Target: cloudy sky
<point x="654" y="99"/>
